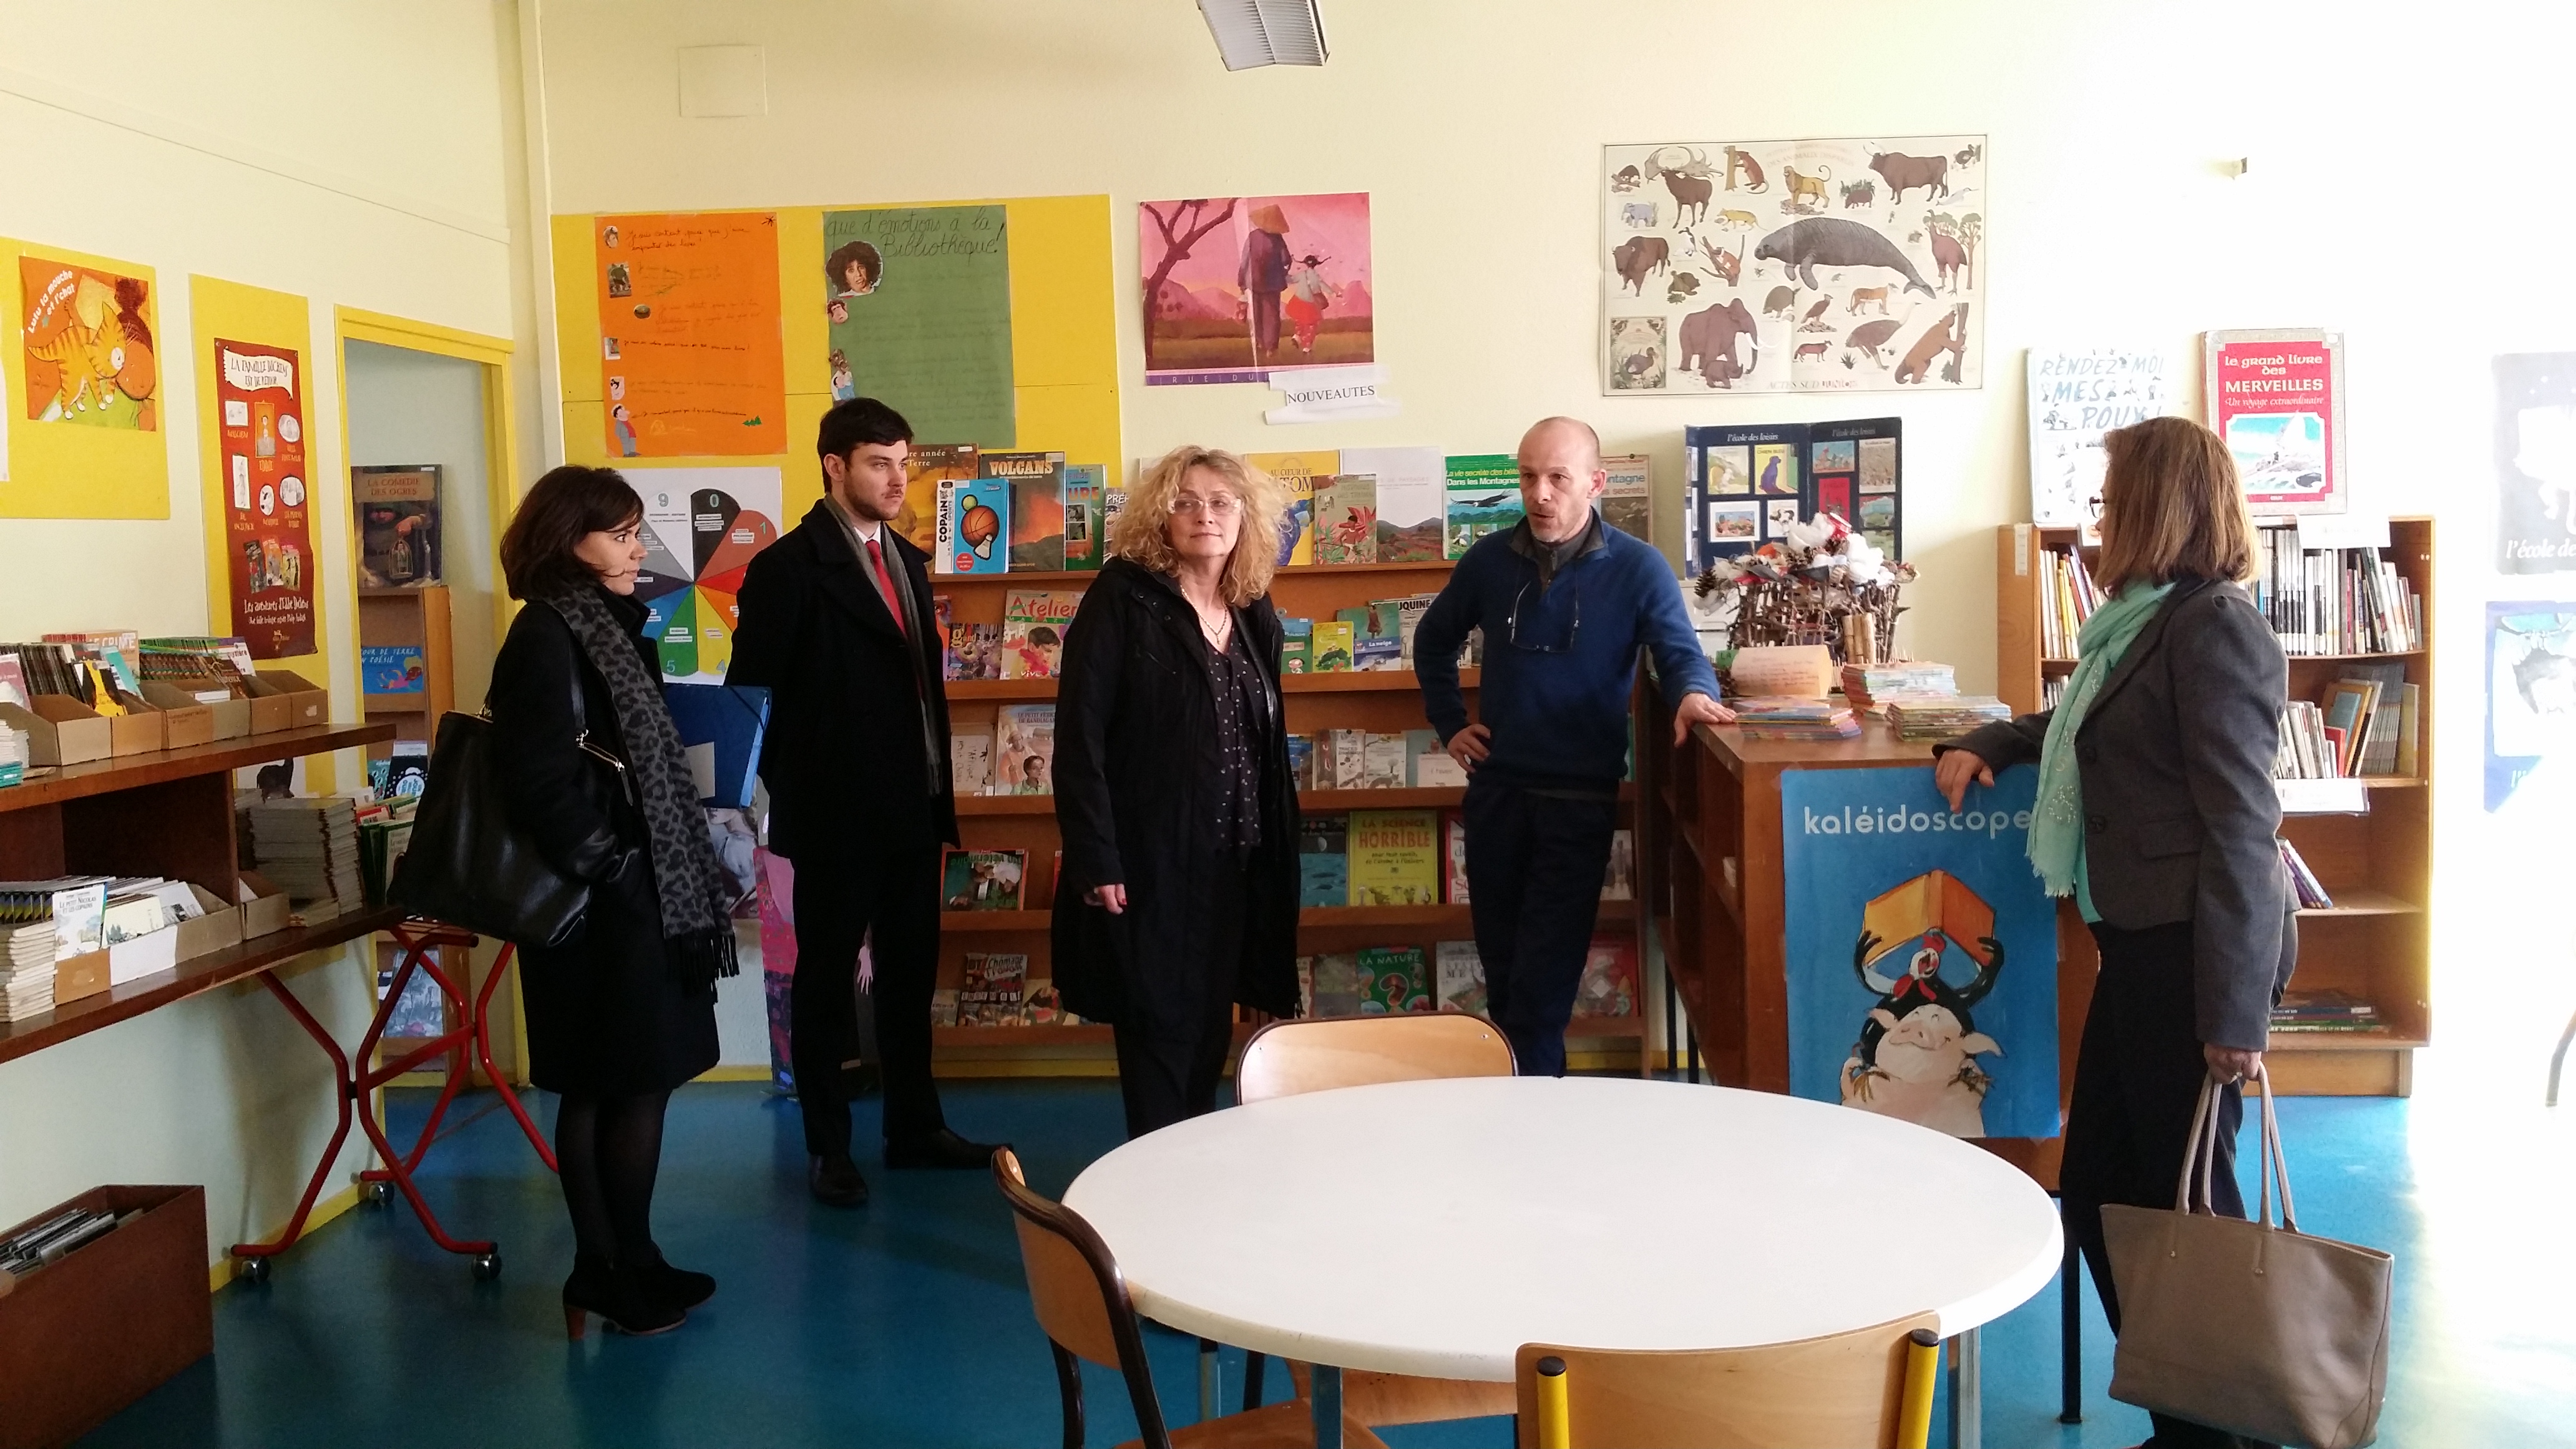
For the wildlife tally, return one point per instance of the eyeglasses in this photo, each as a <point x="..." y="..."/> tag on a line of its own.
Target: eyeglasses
<point x="1223" y="505"/>
<point x="1543" y="634"/>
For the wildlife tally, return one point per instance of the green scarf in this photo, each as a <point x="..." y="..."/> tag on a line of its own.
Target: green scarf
<point x="2057" y="825"/>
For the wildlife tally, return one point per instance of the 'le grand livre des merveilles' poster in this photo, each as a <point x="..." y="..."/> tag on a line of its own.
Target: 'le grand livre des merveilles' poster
<point x="1922" y="953"/>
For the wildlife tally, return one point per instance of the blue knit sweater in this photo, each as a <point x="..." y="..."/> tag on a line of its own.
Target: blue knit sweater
<point x="1556" y="687"/>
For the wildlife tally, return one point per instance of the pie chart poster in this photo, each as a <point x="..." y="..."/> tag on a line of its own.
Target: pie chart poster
<point x="1857" y="848"/>
<point x="702" y="527"/>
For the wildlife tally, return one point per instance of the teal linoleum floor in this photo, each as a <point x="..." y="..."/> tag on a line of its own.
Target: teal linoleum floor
<point x="907" y="1323"/>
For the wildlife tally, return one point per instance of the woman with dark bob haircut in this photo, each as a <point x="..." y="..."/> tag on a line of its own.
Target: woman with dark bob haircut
<point x="625" y="1012"/>
<point x="2156" y="813"/>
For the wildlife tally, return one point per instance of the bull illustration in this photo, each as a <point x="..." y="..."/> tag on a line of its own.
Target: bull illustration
<point x="1917" y="1054"/>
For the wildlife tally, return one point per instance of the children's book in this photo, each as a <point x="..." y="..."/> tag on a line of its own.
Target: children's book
<point x="1609" y="986"/>
<point x="1382" y="761"/>
<point x="981" y="880"/>
<point x="943" y="1006"/>
<point x="970" y="759"/>
<point x="1619" y="882"/>
<point x="1297" y="650"/>
<point x="1453" y="857"/>
<point x="1481" y="495"/>
<point x="926" y="469"/>
<point x="1458" y="977"/>
<point x="1337" y="985"/>
<point x="991" y="992"/>
<point x="1332" y="646"/>
<point x="1427" y="766"/>
<point x="974" y="532"/>
<point x="1037" y="508"/>
<point x="1323" y="861"/>
<point x="1377" y="640"/>
<point x="1395" y="857"/>
<point x="1346" y="519"/>
<point x="1349" y="759"/>
<point x="1083" y="534"/>
<point x="398" y="525"/>
<point x="1298" y="474"/>
<point x="1024" y="750"/>
<point x="1034" y="622"/>
<point x="1628" y="497"/>
<point x="1392" y="980"/>
<point x="974" y="651"/>
<point x="1301" y="761"/>
<point x="1408" y="500"/>
<point x="1408" y="619"/>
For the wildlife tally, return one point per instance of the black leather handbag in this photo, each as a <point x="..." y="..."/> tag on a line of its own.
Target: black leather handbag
<point x="469" y="864"/>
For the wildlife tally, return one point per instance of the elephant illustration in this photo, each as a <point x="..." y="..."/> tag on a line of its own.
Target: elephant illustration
<point x="1708" y="343"/>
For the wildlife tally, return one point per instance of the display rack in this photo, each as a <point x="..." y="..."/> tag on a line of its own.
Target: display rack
<point x="2375" y="942"/>
<point x="1388" y="701"/>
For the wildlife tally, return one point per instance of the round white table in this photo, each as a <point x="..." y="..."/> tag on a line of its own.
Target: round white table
<point x="1432" y="1228"/>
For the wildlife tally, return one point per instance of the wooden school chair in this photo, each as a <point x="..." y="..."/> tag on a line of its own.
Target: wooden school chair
<point x="1318" y="1054"/>
<point x="1081" y="1302"/>
<point x="1872" y="1386"/>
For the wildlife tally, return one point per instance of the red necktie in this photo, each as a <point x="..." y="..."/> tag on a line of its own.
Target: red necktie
<point x="885" y="586"/>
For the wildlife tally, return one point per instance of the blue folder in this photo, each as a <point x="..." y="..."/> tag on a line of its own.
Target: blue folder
<point x="732" y="718"/>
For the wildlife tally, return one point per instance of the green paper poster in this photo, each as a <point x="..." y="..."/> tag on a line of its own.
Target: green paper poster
<point x="919" y="302"/>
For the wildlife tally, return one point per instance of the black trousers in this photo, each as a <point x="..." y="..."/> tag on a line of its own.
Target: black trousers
<point x="1535" y="860"/>
<point x="840" y="897"/>
<point x="1178" y="1021"/>
<point x="2137" y="1083"/>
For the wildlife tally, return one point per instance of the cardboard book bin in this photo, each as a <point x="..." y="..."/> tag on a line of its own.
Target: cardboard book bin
<point x="108" y="1322"/>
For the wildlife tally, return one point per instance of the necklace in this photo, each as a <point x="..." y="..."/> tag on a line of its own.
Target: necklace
<point x="1218" y="632"/>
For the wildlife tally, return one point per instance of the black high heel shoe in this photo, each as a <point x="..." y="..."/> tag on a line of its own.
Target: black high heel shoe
<point x="676" y="1286"/>
<point x="621" y="1298"/>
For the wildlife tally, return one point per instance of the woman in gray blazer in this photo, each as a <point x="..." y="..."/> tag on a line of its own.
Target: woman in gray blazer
<point x="2157" y="814"/>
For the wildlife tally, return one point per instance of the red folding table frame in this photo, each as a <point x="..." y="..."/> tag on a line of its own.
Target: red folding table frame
<point x="418" y="940"/>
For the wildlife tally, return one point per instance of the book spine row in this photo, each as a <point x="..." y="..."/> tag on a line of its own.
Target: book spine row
<point x="2336" y="601"/>
<point x="2069" y="598"/>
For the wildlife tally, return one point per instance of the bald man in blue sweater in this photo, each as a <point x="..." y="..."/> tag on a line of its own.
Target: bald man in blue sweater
<point x="1566" y="603"/>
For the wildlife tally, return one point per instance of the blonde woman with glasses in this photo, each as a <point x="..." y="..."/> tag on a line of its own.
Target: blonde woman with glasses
<point x="1177" y="896"/>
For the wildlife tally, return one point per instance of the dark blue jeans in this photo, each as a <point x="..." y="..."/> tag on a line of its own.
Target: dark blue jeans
<point x="1535" y="859"/>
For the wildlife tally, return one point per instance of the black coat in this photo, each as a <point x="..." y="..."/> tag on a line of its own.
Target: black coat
<point x="846" y="760"/>
<point x="606" y="1014"/>
<point x="2180" y="812"/>
<point x="1136" y="772"/>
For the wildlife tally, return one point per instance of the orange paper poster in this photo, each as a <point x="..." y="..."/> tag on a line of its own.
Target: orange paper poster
<point x="690" y="361"/>
<point x="90" y="353"/>
<point x="267" y="514"/>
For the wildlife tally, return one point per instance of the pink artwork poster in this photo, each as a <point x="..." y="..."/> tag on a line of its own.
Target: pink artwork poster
<point x="1236" y="286"/>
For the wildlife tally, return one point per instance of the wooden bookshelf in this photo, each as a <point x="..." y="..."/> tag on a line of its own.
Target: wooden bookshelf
<point x="415" y="619"/>
<point x="1387" y="700"/>
<point x="2376" y="940"/>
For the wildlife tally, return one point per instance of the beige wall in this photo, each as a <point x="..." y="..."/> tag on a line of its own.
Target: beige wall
<point x="353" y="155"/>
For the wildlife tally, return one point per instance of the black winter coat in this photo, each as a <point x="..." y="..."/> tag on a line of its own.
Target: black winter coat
<point x="846" y="759"/>
<point x="606" y="1015"/>
<point x="1136" y="776"/>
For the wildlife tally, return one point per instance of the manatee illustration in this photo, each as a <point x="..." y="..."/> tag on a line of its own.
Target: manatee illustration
<point x="1830" y="241"/>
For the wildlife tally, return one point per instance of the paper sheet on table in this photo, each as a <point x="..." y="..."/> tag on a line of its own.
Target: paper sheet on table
<point x="702" y="768"/>
<point x="1803" y="670"/>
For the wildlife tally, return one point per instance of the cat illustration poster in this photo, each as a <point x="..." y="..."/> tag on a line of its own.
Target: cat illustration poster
<point x="1922" y="954"/>
<point x="91" y="349"/>
<point x="1793" y="266"/>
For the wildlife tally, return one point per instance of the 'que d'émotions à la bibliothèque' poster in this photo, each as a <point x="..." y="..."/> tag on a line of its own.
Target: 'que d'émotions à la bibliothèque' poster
<point x="1922" y="953"/>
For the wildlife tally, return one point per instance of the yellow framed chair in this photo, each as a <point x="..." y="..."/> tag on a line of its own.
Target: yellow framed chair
<point x="1081" y="1302"/>
<point x="1321" y="1053"/>
<point x="1871" y="1386"/>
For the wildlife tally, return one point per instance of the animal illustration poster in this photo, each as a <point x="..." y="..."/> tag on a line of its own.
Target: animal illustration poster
<point x="2531" y="693"/>
<point x="2535" y="459"/>
<point x="1922" y="954"/>
<point x="268" y="503"/>
<point x="917" y="312"/>
<point x="91" y="358"/>
<point x="2276" y="397"/>
<point x="689" y="356"/>
<point x="1793" y="266"/>
<point x="702" y="527"/>
<point x="2076" y="395"/>
<point x="1235" y="287"/>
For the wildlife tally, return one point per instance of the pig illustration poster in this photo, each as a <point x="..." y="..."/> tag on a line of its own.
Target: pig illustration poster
<point x="1922" y="953"/>
<point x="1793" y="266"/>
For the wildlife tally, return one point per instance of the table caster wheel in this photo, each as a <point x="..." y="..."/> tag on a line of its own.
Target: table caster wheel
<point x="254" y="1270"/>
<point x="377" y="1193"/>
<point x="487" y="1266"/>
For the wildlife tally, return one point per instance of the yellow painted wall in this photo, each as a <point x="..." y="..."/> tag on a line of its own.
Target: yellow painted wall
<point x="345" y="155"/>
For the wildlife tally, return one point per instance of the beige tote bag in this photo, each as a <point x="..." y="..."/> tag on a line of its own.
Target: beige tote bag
<point x="2254" y="1328"/>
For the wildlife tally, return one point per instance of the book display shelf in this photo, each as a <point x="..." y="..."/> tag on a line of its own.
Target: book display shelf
<point x="2372" y="947"/>
<point x="410" y="669"/>
<point x="1388" y="701"/>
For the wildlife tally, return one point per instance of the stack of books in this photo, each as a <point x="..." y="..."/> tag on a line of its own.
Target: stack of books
<point x="2324" y="1010"/>
<point x="1790" y="717"/>
<point x="308" y="846"/>
<point x="384" y="833"/>
<point x="1942" y="719"/>
<point x="27" y="970"/>
<point x="1868" y="686"/>
<point x="2311" y="891"/>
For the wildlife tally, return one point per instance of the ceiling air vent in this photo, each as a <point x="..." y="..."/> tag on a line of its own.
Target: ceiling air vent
<point x="1253" y="33"/>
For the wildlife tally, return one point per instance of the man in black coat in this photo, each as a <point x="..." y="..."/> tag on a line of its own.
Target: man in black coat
<point x="836" y="621"/>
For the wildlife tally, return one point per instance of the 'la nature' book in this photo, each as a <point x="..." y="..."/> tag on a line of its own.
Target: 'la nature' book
<point x="1395" y="857"/>
<point x="1392" y="980"/>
